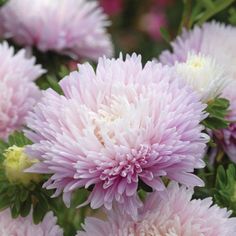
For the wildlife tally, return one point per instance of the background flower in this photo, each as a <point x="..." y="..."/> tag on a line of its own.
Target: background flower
<point x="116" y="127"/>
<point x="72" y="27"/>
<point x="170" y="213"/>
<point x="152" y="23"/>
<point x="213" y="39"/>
<point x="113" y="7"/>
<point x="203" y="75"/>
<point x="18" y="91"/>
<point x="24" y="226"/>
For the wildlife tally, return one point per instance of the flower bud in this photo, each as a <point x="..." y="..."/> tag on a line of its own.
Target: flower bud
<point x="16" y="161"/>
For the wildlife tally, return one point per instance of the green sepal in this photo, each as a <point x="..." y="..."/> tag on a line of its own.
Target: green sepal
<point x="217" y="111"/>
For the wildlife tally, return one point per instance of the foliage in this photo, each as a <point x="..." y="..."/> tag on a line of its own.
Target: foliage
<point x="217" y="111"/>
<point x="225" y="187"/>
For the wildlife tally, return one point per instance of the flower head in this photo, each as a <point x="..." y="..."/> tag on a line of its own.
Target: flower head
<point x="203" y="74"/>
<point x="116" y="127"/>
<point x="15" y="162"/>
<point x="171" y="213"/>
<point x="24" y="226"/>
<point x="214" y="43"/>
<point x="211" y="39"/>
<point x="227" y="137"/>
<point x="18" y="91"/>
<point x="72" y="27"/>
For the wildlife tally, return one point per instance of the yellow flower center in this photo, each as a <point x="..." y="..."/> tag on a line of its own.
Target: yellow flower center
<point x="196" y="62"/>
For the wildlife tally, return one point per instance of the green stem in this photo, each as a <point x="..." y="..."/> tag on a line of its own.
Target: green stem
<point x="185" y="21"/>
<point x="211" y="12"/>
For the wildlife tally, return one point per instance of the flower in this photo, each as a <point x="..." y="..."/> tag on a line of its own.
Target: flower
<point x="227" y="137"/>
<point x="168" y="214"/>
<point x="71" y="27"/>
<point x="213" y="39"/>
<point x="152" y="22"/>
<point x="15" y="162"/>
<point x="24" y="226"/>
<point x="218" y="53"/>
<point x="18" y="91"/>
<point x="116" y="128"/>
<point x="203" y="74"/>
<point x="113" y="7"/>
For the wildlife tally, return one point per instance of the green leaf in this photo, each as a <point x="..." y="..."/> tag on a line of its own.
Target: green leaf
<point x="40" y="208"/>
<point x="217" y="111"/>
<point x="165" y="34"/>
<point x="38" y="213"/>
<point x="18" y="139"/>
<point x="225" y="187"/>
<point x="2" y="2"/>
<point x="54" y="84"/>
<point x="219" y="6"/>
<point x="23" y="194"/>
<point x="15" y="211"/>
<point x="4" y="201"/>
<point x="25" y="208"/>
<point x="232" y="16"/>
<point x="63" y="71"/>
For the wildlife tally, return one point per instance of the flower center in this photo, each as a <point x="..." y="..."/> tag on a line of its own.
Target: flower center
<point x="196" y="62"/>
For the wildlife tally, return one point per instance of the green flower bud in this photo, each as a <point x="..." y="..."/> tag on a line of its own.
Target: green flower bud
<point x="16" y="161"/>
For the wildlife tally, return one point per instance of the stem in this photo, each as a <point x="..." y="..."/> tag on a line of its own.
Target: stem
<point x="185" y="21"/>
<point x="211" y="12"/>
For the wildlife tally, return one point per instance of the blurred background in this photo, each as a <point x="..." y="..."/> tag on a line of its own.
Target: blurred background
<point x="136" y="24"/>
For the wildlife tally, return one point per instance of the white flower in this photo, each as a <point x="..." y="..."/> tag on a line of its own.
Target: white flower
<point x="203" y="74"/>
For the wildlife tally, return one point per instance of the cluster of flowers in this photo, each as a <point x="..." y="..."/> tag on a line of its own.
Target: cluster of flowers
<point x="121" y="126"/>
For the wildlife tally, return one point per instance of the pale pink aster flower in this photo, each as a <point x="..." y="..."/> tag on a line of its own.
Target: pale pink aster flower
<point x="171" y="213"/>
<point x="227" y="137"/>
<point x="213" y="39"/>
<point x="116" y="127"/>
<point x="72" y="27"/>
<point x="217" y="41"/>
<point x="24" y="226"/>
<point x="18" y="91"/>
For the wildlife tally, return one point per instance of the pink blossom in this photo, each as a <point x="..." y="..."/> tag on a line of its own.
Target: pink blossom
<point x="213" y="39"/>
<point x="152" y="22"/>
<point x="114" y="127"/>
<point x="18" y="91"/>
<point x="112" y="7"/>
<point x="24" y="226"/>
<point x="171" y="213"/>
<point x="72" y="27"/>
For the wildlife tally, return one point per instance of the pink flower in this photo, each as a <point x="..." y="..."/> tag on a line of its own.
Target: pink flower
<point x="18" y="91"/>
<point x="212" y="39"/>
<point x="152" y="22"/>
<point x="24" y="226"/>
<point x="171" y="213"/>
<point x="217" y="41"/>
<point x="116" y="127"/>
<point x="227" y="137"/>
<point x="72" y="27"/>
<point x="112" y="7"/>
